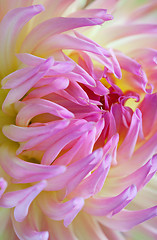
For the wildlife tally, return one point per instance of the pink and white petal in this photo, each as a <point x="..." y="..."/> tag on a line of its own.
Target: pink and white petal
<point x="92" y="184"/>
<point x="3" y="186"/>
<point x="22" y="134"/>
<point x="126" y="149"/>
<point x="126" y="220"/>
<point x="65" y="41"/>
<point x="30" y="60"/>
<point x="128" y="64"/>
<point x="90" y="228"/>
<point x="148" y="108"/>
<point x="56" y="85"/>
<point x="37" y="106"/>
<point x="17" y="93"/>
<point x="4" y="8"/>
<point x="96" y="13"/>
<point x="21" y="199"/>
<point x="11" y="26"/>
<point x="21" y="76"/>
<point x="73" y="171"/>
<point x="111" y="205"/>
<point x="73" y="132"/>
<point x="143" y="154"/>
<point x="26" y="230"/>
<point x="26" y="172"/>
<point x="55" y="26"/>
<point x="66" y="211"/>
<point x="67" y="157"/>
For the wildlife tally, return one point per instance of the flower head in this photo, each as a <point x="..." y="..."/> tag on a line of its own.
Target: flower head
<point x="78" y="119"/>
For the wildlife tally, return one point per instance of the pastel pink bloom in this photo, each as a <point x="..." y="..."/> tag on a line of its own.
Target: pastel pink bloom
<point x="78" y="147"/>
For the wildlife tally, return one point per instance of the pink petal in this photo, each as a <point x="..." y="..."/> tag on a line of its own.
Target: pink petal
<point x="65" y="41"/>
<point x="26" y="230"/>
<point x="75" y="172"/>
<point x="112" y="205"/>
<point x="22" y="134"/>
<point x="73" y="132"/>
<point x="148" y="109"/>
<point x="58" y="211"/>
<point x="21" y="199"/>
<point x="37" y="106"/>
<point x="125" y="220"/>
<point x="56" y="85"/>
<point x="26" y="172"/>
<point x="11" y="25"/>
<point x="3" y="186"/>
<point x="96" y="13"/>
<point x="126" y="149"/>
<point x="17" y="93"/>
<point x="94" y="182"/>
<point x="55" y="26"/>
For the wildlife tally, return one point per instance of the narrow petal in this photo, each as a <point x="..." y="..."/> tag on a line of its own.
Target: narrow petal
<point x="148" y="108"/>
<point x="17" y="93"/>
<point x="94" y="182"/>
<point x="73" y="132"/>
<point x="55" y="26"/>
<point x="21" y="199"/>
<point x="125" y="220"/>
<point x="26" y="230"/>
<point x="72" y="177"/>
<point x="3" y="186"/>
<point x="126" y="149"/>
<point x="37" y="106"/>
<point x="26" y="172"/>
<point x="110" y="206"/>
<point x="58" y="211"/>
<point x="11" y="26"/>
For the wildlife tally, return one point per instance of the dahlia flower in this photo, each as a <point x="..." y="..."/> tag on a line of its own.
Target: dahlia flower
<point x="78" y="137"/>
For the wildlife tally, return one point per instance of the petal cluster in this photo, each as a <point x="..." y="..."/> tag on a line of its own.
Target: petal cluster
<point x="78" y="120"/>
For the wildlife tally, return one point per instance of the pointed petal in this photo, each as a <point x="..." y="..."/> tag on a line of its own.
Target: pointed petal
<point x="73" y="175"/>
<point x="3" y="186"/>
<point x="26" y="172"/>
<point x="26" y="230"/>
<point x="110" y="206"/>
<point x="55" y="26"/>
<point x="125" y="220"/>
<point x="126" y="149"/>
<point x="58" y="211"/>
<point x="11" y="25"/>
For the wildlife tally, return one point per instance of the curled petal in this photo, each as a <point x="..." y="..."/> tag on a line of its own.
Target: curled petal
<point x="3" y="186"/>
<point x="17" y="93"/>
<point x="125" y="220"/>
<point x="26" y="172"/>
<point x="126" y="149"/>
<point x="55" y="26"/>
<point x="21" y="199"/>
<point x="110" y="206"/>
<point x="11" y="25"/>
<point x="92" y="184"/>
<point x="58" y="211"/>
<point x="26" y="230"/>
<point x="75" y="172"/>
<point x="35" y="107"/>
